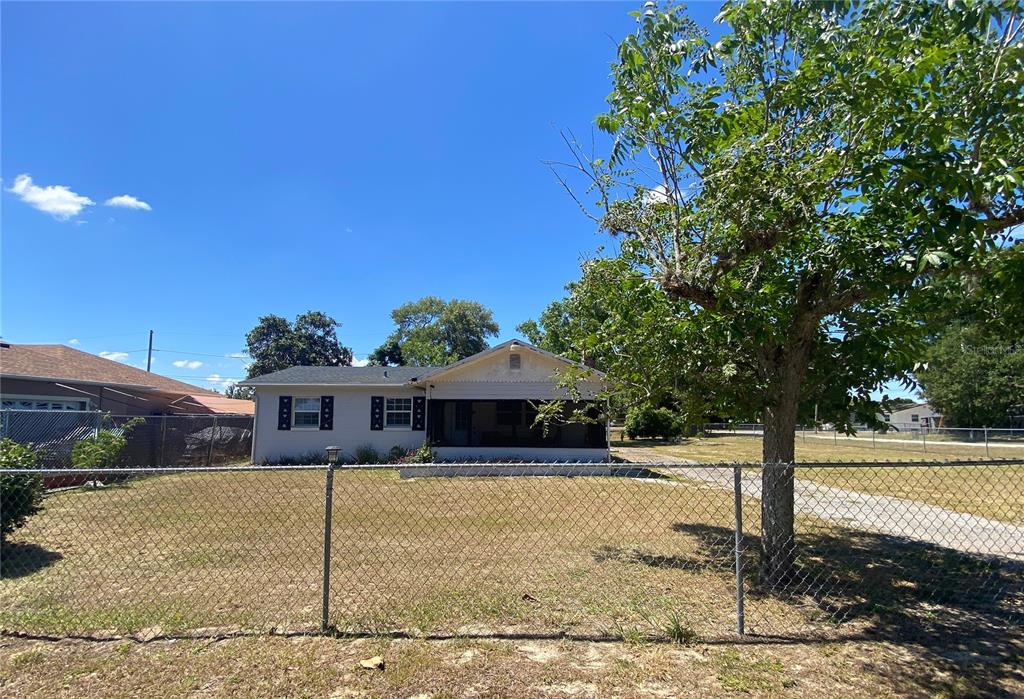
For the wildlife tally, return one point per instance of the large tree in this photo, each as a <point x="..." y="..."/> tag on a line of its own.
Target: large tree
<point x="433" y="332"/>
<point x="312" y="340"/>
<point x="974" y="378"/>
<point x="797" y="187"/>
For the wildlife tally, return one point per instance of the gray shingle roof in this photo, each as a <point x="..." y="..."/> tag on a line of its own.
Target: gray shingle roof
<point x="340" y="375"/>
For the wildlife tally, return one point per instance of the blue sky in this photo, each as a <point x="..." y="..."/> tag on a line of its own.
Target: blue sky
<point x="223" y="161"/>
<point x="341" y="157"/>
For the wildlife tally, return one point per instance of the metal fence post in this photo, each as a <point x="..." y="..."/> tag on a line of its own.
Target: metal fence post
<point x="924" y="440"/>
<point x="7" y="423"/>
<point x="163" y="437"/>
<point x="986" y="442"/>
<point x="213" y="433"/>
<point x="328" y="506"/>
<point x="737" y="473"/>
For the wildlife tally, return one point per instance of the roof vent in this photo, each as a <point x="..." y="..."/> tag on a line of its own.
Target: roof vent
<point x="385" y="373"/>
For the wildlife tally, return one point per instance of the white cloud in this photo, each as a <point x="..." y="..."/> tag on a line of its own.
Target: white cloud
<point x="237" y="355"/>
<point x="115" y="356"/>
<point x="219" y="381"/>
<point x="73" y="341"/>
<point x="56" y="200"/>
<point x="187" y="363"/>
<point x="360" y="362"/>
<point x="658" y="195"/>
<point x="127" y="201"/>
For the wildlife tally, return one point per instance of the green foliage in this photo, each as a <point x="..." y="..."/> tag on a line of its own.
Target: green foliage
<point x="649" y="422"/>
<point x="974" y="379"/>
<point x="102" y="449"/>
<point x="818" y="174"/>
<point x="424" y="454"/>
<point x="239" y="392"/>
<point x="434" y="332"/>
<point x="21" y="495"/>
<point x="367" y="454"/>
<point x="312" y="340"/>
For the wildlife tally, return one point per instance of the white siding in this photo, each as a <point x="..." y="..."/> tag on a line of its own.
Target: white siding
<point x="351" y="423"/>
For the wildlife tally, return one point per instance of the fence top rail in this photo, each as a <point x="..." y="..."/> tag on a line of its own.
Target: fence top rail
<point x="560" y="467"/>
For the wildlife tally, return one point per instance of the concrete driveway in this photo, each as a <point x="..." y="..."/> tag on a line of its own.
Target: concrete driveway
<point x="880" y="514"/>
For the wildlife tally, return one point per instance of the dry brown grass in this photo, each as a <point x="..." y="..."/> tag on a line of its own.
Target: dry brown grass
<point x="624" y="559"/>
<point x="607" y="556"/>
<point x="996" y="492"/>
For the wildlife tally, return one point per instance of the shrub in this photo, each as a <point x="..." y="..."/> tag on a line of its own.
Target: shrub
<point x="648" y="422"/>
<point x="366" y="454"/>
<point x="309" y="458"/>
<point x="424" y="454"/>
<point x="21" y="495"/>
<point x="102" y="449"/>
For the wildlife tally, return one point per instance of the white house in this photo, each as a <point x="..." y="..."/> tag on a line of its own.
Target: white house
<point x="479" y="408"/>
<point x="913" y="417"/>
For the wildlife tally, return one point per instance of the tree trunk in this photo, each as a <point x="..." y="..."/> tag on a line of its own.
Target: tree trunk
<point x="778" y="545"/>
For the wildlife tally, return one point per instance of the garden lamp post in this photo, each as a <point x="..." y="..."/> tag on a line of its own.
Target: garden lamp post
<point x="332" y="455"/>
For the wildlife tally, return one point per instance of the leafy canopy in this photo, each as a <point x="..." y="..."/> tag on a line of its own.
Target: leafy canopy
<point x="312" y="340"/>
<point x="973" y="379"/>
<point x="433" y="332"/>
<point x="789" y="198"/>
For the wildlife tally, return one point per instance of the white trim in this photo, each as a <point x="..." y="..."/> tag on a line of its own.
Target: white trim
<point x="398" y="428"/>
<point x="50" y="399"/>
<point x="295" y="412"/>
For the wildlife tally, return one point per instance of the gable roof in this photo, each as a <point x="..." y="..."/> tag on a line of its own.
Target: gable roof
<point x="339" y="376"/>
<point x="60" y="363"/>
<point x="440" y="371"/>
<point x="388" y="375"/>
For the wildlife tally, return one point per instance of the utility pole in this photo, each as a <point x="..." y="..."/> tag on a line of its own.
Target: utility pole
<point x="149" y="355"/>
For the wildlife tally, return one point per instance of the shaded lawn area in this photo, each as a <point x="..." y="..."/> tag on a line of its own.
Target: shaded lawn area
<point x="638" y="561"/>
<point x="995" y="492"/>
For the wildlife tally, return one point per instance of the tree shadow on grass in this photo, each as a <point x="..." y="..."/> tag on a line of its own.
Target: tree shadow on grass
<point x="18" y="559"/>
<point x="958" y="613"/>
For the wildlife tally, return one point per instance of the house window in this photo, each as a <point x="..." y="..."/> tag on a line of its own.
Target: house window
<point x="398" y="412"/>
<point x="43" y="404"/>
<point x="306" y="413"/>
<point x="914" y="417"/>
<point x="508" y="413"/>
<point x="515" y="362"/>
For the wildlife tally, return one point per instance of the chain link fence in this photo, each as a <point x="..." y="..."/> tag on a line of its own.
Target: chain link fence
<point x="658" y="551"/>
<point x="161" y="440"/>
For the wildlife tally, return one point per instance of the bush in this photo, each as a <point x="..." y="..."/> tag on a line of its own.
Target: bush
<point x="21" y="495"/>
<point x="648" y="422"/>
<point x="366" y="454"/>
<point x="102" y="449"/>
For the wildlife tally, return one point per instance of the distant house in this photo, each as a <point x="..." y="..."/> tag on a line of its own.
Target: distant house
<point x="55" y="377"/>
<point x="481" y="408"/>
<point x="914" y="416"/>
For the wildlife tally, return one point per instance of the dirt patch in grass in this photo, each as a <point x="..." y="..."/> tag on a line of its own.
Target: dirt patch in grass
<point x="326" y="667"/>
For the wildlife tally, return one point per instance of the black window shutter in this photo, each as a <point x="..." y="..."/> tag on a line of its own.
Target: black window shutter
<point x="284" y="413"/>
<point x="327" y="412"/>
<point x="377" y="412"/>
<point x="419" y="413"/>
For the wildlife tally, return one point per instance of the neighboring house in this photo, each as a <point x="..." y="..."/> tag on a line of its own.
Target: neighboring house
<point x="478" y="408"/>
<point x="913" y="417"/>
<point x="55" y="377"/>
